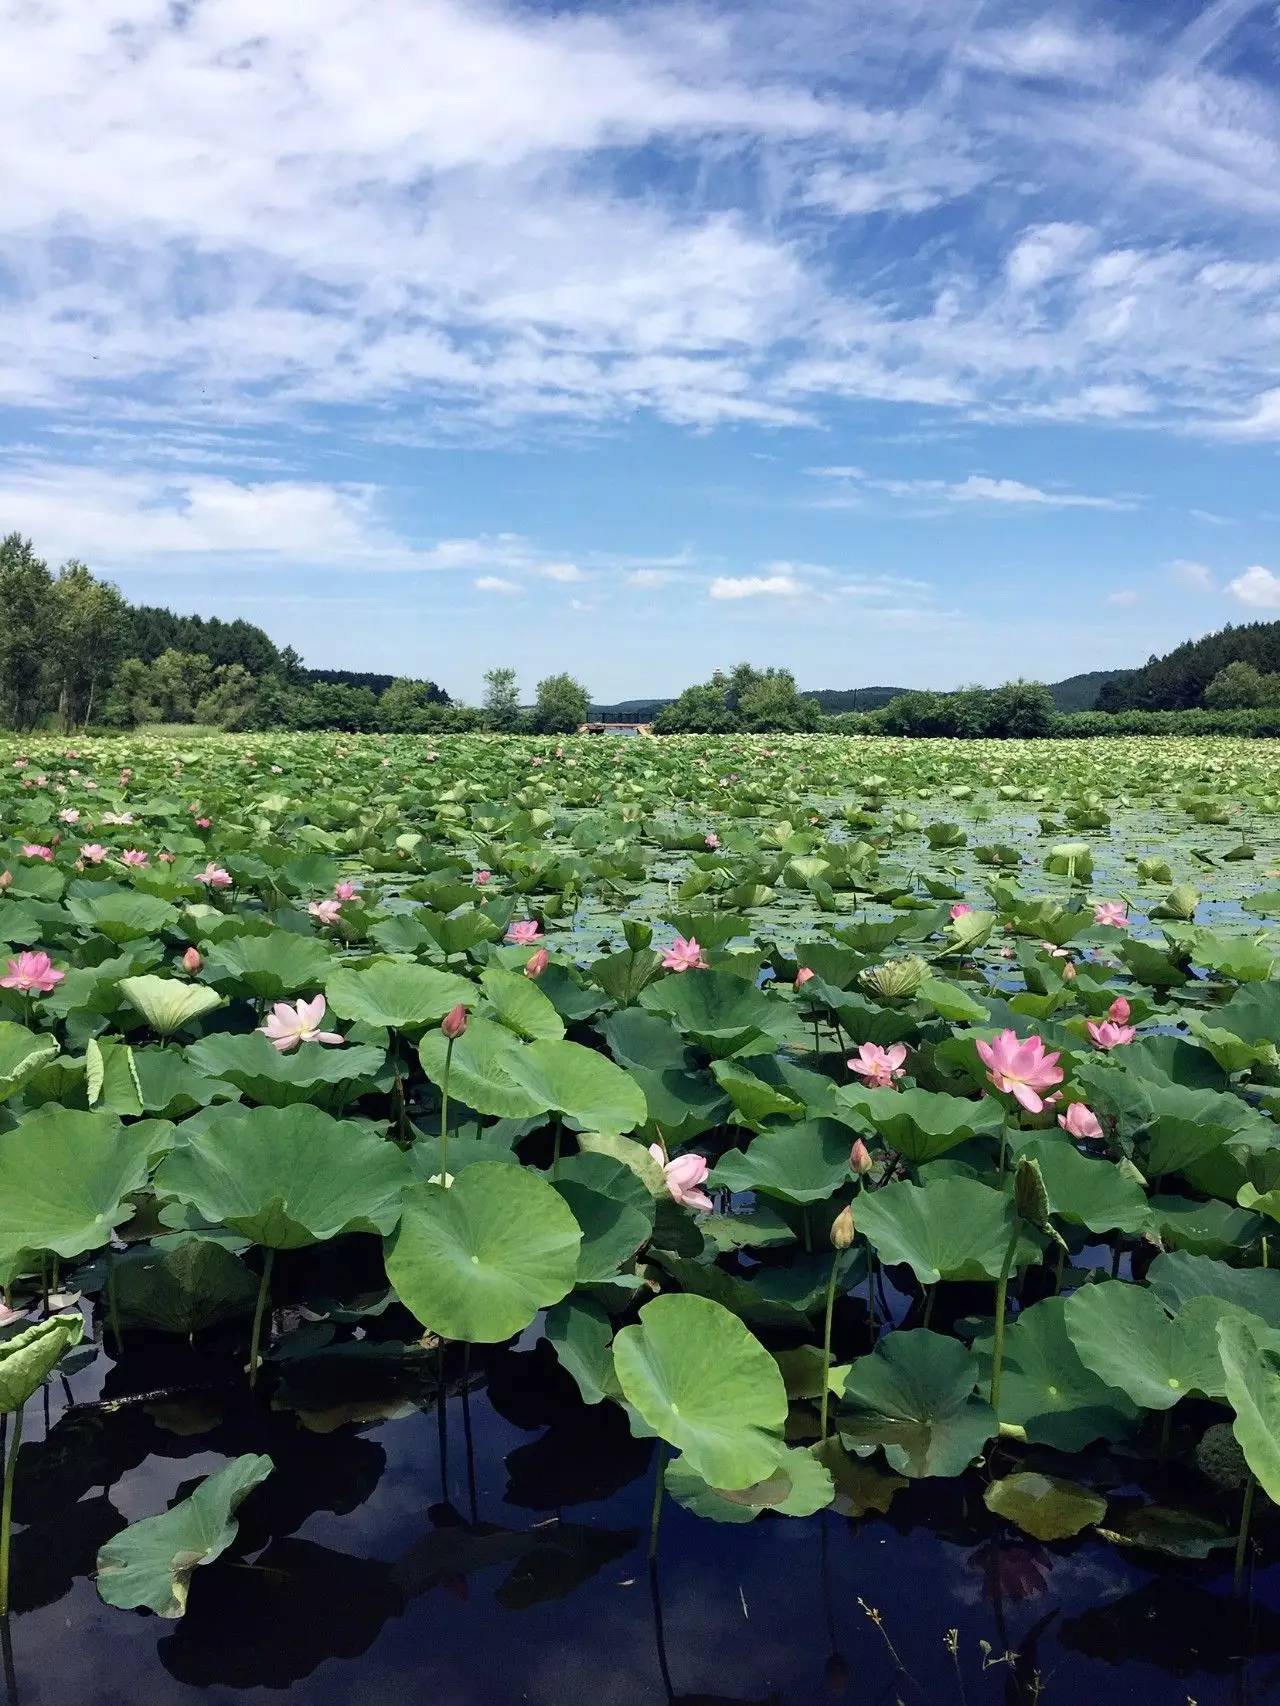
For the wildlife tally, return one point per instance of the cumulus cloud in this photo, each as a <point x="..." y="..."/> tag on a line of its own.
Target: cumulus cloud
<point x="1197" y="576"/>
<point x="495" y="583"/>
<point x="1257" y="587"/>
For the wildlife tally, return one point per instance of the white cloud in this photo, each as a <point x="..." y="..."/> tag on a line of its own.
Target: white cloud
<point x="755" y="586"/>
<point x="495" y="583"/>
<point x="983" y="488"/>
<point x="205" y="211"/>
<point x="1197" y="576"/>
<point x="649" y="579"/>
<point x="1257" y="587"/>
<point x="1124" y="596"/>
<point x="562" y="572"/>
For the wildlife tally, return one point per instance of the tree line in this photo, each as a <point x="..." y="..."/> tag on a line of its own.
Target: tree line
<point x="1203" y="674"/>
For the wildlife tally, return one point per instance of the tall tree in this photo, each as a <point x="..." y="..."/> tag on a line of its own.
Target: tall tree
<point x="91" y="626"/>
<point x="562" y="705"/>
<point x="28" y="625"/>
<point x="501" y="704"/>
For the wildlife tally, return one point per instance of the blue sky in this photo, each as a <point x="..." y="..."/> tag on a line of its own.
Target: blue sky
<point x="892" y="342"/>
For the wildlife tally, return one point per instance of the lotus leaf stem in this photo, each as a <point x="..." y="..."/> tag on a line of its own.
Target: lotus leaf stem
<point x="1002" y="1295"/>
<point x="264" y="1288"/>
<point x="826" y="1343"/>
<point x="444" y="1112"/>
<point x="1242" y="1536"/>
<point x="659" y="1487"/>
<point x="6" y="1509"/>
<point x="113" y="1305"/>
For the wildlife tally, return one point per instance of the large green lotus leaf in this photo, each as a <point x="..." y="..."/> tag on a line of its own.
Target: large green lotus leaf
<point x="1092" y="1193"/>
<point x="861" y="1484"/>
<point x="914" y="1397"/>
<point x="1250" y="1357"/>
<point x="629" y="1153"/>
<point x="718" y="1009"/>
<point x="150" y="1565"/>
<point x="799" y="1486"/>
<point x="124" y="917"/>
<point x="945" y="1229"/>
<point x="478" y="1260"/>
<point x="753" y="1100"/>
<point x="703" y="1383"/>
<point x="397" y="993"/>
<point x="784" y="1298"/>
<point x="1044" y="1506"/>
<point x="1208" y="1228"/>
<point x="309" y="1073"/>
<point x="271" y="966"/>
<point x="287" y="1177"/>
<point x="612" y="1231"/>
<point x="1178" y="1278"/>
<point x="168" y="1003"/>
<point x="587" y="1087"/>
<point x="1244" y="1032"/>
<point x="520" y="1004"/>
<point x="1175" y="1143"/>
<point x="919" y="1124"/>
<point x="1177" y="1533"/>
<point x="65" y="1180"/>
<point x="682" y="1100"/>
<point x="183" y="1288"/>
<point x="1122" y="1333"/>
<point x="582" y="1335"/>
<point x="1047" y="1390"/>
<point x="29" y="1357"/>
<point x="797" y="1164"/>
<point x="480" y="1071"/>
<point x="22" y="1052"/>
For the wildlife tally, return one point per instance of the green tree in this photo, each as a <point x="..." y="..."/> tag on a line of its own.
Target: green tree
<point x="409" y="707"/>
<point x="501" y="704"/>
<point x="232" y="699"/>
<point x="128" y="699"/>
<point x="562" y="705"/>
<point x="1238" y="687"/>
<point x="89" y="639"/>
<point x="28" y="629"/>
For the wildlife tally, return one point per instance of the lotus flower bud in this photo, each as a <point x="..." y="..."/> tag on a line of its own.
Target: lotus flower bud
<point x="192" y="960"/>
<point x="842" y="1229"/>
<point x="454" y="1022"/>
<point x="1068" y="972"/>
<point x="637" y="934"/>
<point x="537" y="964"/>
<point x="895" y="980"/>
<point x="6" y="879"/>
<point x="1030" y="1198"/>
<point x="1119" y="1011"/>
<point x="803" y="976"/>
<point x="860" y="1161"/>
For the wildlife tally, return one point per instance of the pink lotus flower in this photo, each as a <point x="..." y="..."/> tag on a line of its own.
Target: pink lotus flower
<point x="1056" y="952"/>
<point x="204" y="823"/>
<point x="1119" y="1011"/>
<point x="454" y="1022"/>
<point x="70" y="815"/>
<point x="1020" y="1069"/>
<point x="213" y="876"/>
<point x="803" y="976"/>
<point x="960" y="908"/>
<point x="481" y="878"/>
<point x="1080" y="1121"/>
<point x="9" y="1316"/>
<point x="683" y="1176"/>
<point x="1111" y="912"/>
<point x="33" y="850"/>
<point x="879" y="1066"/>
<point x="684" y="956"/>
<point x="860" y="1161"/>
<point x="288" y="1026"/>
<point x="165" y="857"/>
<point x="537" y="964"/>
<point x="345" y="890"/>
<point x="33" y="973"/>
<point x="327" y="911"/>
<point x="117" y="817"/>
<point x="711" y="839"/>
<point x="192" y="960"/>
<point x="135" y="856"/>
<point x="93" y="852"/>
<point x="1107" y="1036"/>
<point x="524" y="932"/>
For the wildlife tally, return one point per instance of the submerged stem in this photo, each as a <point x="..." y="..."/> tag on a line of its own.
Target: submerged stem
<point x="1002" y="1294"/>
<point x="826" y="1344"/>
<point x="264" y="1288"/>
<point x="659" y="1485"/>
<point x="1242" y="1537"/>
<point x="6" y="1509"/>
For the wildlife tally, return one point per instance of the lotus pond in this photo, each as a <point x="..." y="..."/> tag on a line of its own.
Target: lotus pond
<point x="709" y="1220"/>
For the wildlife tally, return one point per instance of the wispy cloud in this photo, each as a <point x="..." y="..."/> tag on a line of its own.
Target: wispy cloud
<point x="1197" y="576"/>
<point x="754" y="586"/>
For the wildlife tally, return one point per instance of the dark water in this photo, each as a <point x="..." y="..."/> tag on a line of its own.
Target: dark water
<point x="516" y="1571"/>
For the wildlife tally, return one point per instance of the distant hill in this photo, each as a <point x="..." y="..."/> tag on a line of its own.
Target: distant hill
<point x="1176" y="681"/>
<point x="1076" y="693"/>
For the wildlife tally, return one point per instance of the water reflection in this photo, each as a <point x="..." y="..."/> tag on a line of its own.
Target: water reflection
<point x="487" y="1543"/>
